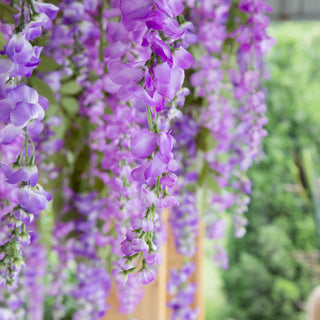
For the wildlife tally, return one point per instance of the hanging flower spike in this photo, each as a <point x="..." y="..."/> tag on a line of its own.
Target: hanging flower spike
<point x="22" y="110"/>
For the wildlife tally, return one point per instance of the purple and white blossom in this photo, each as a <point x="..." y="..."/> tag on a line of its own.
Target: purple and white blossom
<point x="148" y="113"/>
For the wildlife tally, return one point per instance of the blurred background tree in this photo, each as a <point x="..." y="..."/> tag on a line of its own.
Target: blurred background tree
<point x="264" y="280"/>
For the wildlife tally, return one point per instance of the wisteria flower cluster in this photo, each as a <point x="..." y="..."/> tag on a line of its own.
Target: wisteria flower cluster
<point x="183" y="292"/>
<point x="111" y="113"/>
<point x="22" y="110"/>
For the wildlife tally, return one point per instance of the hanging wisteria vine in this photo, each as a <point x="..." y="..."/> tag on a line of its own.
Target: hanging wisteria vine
<point x="122" y="110"/>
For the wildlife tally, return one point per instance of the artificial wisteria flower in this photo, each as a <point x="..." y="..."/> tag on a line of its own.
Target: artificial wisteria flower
<point x="22" y="109"/>
<point x="154" y="105"/>
<point x="183" y="293"/>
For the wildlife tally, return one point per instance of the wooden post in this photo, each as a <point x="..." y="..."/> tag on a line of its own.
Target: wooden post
<point x="154" y="303"/>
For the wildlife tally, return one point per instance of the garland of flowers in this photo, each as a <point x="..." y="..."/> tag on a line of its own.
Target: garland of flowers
<point x="148" y="112"/>
<point x="22" y="110"/>
<point x="216" y="134"/>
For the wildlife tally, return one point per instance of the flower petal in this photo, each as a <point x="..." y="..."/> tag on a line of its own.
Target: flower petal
<point x="22" y="93"/>
<point x="123" y="74"/>
<point x="143" y="144"/>
<point x="9" y="133"/>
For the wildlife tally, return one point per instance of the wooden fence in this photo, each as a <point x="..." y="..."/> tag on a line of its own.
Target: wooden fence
<point x="154" y="304"/>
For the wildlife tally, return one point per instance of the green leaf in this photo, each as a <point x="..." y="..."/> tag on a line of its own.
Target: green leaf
<point x="59" y="160"/>
<point x="81" y="165"/>
<point x="47" y="64"/>
<point x="58" y="201"/>
<point x="99" y="185"/>
<point x="207" y="179"/>
<point x="7" y="12"/>
<point x="3" y="42"/>
<point x="202" y="200"/>
<point x="203" y="174"/>
<point x="42" y="88"/>
<point x="71" y="142"/>
<point x="70" y="104"/>
<point x="107" y="110"/>
<point x="205" y="141"/>
<point x="55" y="2"/>
<point x="71" y="88"/>
<point x="212" y="184"/>
<point x="196" y="51"/>
<point x="41" y="41"/>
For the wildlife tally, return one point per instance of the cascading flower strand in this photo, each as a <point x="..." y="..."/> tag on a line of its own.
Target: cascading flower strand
<point x="22" y="110"/>
<point x="161" y="79"/>
<point x="155" y="105"/>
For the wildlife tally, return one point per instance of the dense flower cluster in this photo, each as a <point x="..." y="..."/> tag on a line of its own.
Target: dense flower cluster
<point x="183" y="292"/>
<point x="22" y="110"/>
<point x="149" y="112"/>
<point x="222" y="132"/>
<point x="160" y="74"/>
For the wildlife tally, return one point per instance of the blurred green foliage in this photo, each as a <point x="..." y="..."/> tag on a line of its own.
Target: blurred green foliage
<point x="264" y="281"/>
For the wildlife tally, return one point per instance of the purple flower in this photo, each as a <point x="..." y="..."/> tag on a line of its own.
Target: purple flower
<point x="145" y="224"/>
<point x="4" y="110"/>
<point x="136" y="10"/>
<point x="152" y="257"/>
<point x="146" y="276"/>
<point x="221" y="257"/>
<point x="126" y="248"/>
<point x="182" y="58"/>
<point x="33" y="199"/>
<point x="119" y="277"/>
<point x="159" y="165"/>
<point x="167" y="202"/>
<point x="165" y="144"/>
<point x="217" y="229"/>
<point x="130" y="235"/>
<point x="34" y="28"/>
<point x="34" y="127"/>
<point x="9" y="133"/>
<point x="47" y="8"/>
<point x="147" y="197"/>
<point x="137" y="174"/>
<point x="19" y="49"/>
<point x="124" y="264"/>
<point x="6" y="314"/>
<point x="22" y="93"/>
<point x="24" y="112"/>
<point x="169" y="180"/>
<point x="101" y="240"/>
<point x="162" y="50"/>
<point x="143" y="144"/>
<point x="73" y="13"/>
<point x="124" y="74"/>
<point x="21" y="215"/>
<point x="172" y="7"/>
<point x="156" y="101"/>
<point x="27" y="105"/>
<point x="172" y="165"/>
<point x="162" y="73"/>
<point x="139" y="245"/>
<point x="14" y="174"/>
<point x="170" y="89"/>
